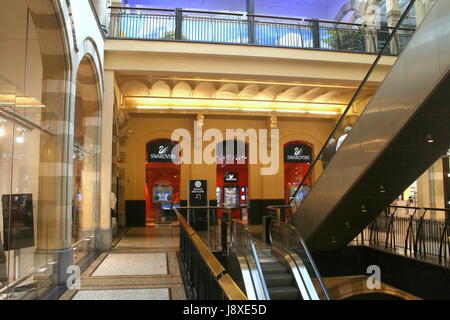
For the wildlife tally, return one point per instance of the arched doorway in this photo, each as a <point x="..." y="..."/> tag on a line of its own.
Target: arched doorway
<point x="232" y="177"/>
<point x="297" y="161"/>
<point x="162" y="188"/>
<point x="85" y="181"/>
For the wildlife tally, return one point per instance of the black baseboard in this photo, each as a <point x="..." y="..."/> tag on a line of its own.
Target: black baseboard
<point x="135" y="210"/>
<point x="258" y="209"/>
<point x="135" y="213"/>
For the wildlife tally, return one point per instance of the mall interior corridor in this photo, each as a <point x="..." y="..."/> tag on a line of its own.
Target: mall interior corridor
<point x="143" y="265"/>
<point x="224" y="150"/>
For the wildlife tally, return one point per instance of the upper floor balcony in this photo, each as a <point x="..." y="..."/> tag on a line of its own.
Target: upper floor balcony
<point x="256" y="30"/>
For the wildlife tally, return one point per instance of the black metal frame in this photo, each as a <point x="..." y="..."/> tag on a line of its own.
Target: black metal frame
<point x="313" y="34"/>
<point x="418" y="236"/>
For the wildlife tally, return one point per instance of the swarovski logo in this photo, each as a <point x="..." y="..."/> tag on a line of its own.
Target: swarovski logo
<point x="163" y="149"/>
<point x="298" y="151"/>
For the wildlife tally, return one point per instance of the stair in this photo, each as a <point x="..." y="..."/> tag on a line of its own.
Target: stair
<point x="280" y="282"/>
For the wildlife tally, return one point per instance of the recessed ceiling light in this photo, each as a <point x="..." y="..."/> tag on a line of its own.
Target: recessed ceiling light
<point x="256" y="110"/>
<point x="292" y="111"/>
<point x="151" y="107"/>
<point x="322" y="112"/>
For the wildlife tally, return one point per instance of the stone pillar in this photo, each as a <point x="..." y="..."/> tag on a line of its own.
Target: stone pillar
<point x="393" y="15"/>
<point x="104" y="232"/>
<point x="393" y="12"/>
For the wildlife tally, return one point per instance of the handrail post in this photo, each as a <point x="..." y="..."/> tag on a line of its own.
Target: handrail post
<point x="224" y="232"/>
<point x="315" y="33"/>
<point x="178" y="24"/>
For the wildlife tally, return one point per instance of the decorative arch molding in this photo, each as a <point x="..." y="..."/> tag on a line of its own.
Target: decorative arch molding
<point x="58" y="95"/>
<point x="355" y="6"/>
<point x="89" y="50"/>
<point x="60" y="61"/>
<point x="305" y="137"/>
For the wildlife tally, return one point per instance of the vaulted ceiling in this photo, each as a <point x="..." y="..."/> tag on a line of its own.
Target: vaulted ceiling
<point x="146" y="92"/>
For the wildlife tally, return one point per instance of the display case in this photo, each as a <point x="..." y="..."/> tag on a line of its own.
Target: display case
<point x="231" y="196"/>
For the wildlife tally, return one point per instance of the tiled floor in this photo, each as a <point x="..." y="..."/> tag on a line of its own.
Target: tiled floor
<point x="129" y="264"/>
<point x="128" y="294"/>
<point x="142" y="266"/>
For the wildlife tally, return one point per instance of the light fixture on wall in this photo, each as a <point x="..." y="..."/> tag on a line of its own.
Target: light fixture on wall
<point x="2" y="127"/>
<point x="20" y="136"/>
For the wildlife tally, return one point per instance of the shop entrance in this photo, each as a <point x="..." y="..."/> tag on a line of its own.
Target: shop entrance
<point x="232" y="178"/>
<point x="162" y="188"/>
<point x="297" y="161"/>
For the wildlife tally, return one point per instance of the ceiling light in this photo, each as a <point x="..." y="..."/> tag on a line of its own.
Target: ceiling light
<point x="187" y="108"/>
<point x="382" y="189"/>
<point x="226" y="109"/>
<point x="322" y="112"/>
<point x="430" y="138"/>
<point x="291" y="111"/>
<point x="256" y="110"/>
<point x="151" y="107"/>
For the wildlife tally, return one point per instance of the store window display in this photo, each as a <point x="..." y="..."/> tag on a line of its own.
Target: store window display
<point x="162" y="180"/>
<point x="232" y="178"/>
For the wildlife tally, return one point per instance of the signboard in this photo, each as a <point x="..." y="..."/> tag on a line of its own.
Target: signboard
<point x="161" y="151"/>
<point x="18" y="223"/>
<point x="198" y="193"/>
<point x="198" y="197"/>
<point x="297" y="153"/>
<point x="231" y="177"/>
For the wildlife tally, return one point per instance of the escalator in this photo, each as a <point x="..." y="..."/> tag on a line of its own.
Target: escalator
<point x="279" y="279"/>
<point x="381" y="145"/>
<point x="280" y="270"/>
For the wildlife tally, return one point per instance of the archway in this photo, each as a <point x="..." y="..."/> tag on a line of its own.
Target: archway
<point x="162" y="187"/>
<point x="85" y="182"/>
<point x="298" y="156"/>
<point x="232" y="177"/>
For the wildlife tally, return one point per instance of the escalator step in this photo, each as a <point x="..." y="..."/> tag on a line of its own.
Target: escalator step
<point x="279" y="279"/>
<point x="273" y="267"/>
<point x="284" y="293"/>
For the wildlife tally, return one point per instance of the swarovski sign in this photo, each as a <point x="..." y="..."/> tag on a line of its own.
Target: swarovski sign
<point x="297" y="153"/>
<point x="161" y="152"/>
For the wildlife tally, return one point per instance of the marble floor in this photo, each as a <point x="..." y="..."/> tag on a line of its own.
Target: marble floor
<point x="143" y="265"/>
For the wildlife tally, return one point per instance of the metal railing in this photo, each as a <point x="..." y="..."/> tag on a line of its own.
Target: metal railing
<point x="242" y="28"/>
<point x="351" y="115"/>
<point x="206" y="275"/>
<point x="244" y="241"/>
<point x="280" y="212"/>
<point x="285" y="236"/>
<point x="409" y="231"/>
<point x="210" y="223"/>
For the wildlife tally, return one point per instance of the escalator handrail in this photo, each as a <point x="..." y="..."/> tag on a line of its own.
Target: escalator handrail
<point x="307" y="252"/>
<point x="251" y="242"/>
<point x="355" y="96"/>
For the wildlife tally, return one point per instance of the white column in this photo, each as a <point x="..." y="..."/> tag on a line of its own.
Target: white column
<point x="104" y="237"/>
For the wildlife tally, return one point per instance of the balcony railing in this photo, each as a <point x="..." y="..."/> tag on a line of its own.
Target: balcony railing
<point x="409" y="231"/>
<point x="262" y="30"/>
